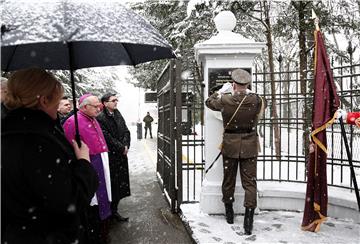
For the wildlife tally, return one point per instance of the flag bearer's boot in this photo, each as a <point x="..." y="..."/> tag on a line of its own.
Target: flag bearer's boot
<point x="229" y="213"/>
<point x="248" y="220"/>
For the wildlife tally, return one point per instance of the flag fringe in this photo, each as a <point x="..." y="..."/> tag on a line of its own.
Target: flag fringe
<point x="315" y="225"/>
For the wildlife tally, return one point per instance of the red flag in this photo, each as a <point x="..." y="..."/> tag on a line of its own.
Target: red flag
<point x="325" y="104"/>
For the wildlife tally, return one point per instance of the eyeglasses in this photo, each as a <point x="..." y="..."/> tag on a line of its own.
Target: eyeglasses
<point x="99" y="106"/>
<point x="113" y="101"/>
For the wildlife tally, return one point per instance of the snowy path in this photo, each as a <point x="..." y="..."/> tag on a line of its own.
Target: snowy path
<point x="151" y="220"/>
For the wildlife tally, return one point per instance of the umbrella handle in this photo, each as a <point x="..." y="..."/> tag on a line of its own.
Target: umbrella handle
<point x="77" y="139"/>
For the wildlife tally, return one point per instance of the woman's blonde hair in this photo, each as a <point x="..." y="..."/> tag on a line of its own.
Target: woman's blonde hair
<point x="26" y="86"/>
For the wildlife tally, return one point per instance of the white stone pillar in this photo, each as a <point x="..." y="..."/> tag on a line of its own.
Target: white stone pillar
<point x="218" y="56"/>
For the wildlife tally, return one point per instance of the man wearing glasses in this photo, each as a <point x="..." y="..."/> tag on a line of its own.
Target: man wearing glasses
<point x="117" y="136"/>
<point x="91" y="133"/>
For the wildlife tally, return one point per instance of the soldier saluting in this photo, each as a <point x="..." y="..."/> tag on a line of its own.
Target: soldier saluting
<point x="240" y="109"/>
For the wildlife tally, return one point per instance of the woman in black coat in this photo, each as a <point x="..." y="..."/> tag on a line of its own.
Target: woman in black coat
<point x="117" y="137"/>
<point x="46" y="183"/>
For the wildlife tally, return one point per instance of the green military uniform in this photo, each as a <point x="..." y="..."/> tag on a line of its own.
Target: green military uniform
<point x="240" y="142"/>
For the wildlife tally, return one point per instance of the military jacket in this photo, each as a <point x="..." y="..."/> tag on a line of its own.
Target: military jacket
<point x="148" y="120"/>
<point x="240" y="139"/>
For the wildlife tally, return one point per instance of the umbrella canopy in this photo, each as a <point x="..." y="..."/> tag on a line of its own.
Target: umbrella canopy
<point x="71" y="35"/>
<point x="75" y="34"/>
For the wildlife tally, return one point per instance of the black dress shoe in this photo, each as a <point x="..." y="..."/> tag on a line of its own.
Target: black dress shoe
<point x="119" y="218"/>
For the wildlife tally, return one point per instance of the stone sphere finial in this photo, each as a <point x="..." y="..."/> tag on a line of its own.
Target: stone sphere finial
<point x="225" y="21"/>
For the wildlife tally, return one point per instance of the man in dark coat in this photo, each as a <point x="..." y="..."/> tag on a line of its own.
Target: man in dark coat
<point x="117" y="137"/>
<point x="240" y="109"/>
<point x="148" y="120"/>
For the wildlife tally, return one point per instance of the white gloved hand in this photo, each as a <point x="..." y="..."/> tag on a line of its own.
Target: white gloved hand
<point x="341" y="114"/>
<point x="248" y="91"/>
<point x="226" y="88"/>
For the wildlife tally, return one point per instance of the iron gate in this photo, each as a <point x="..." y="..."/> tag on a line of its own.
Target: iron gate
<point x="166" y="140"/>
<point x="180" y="158"/>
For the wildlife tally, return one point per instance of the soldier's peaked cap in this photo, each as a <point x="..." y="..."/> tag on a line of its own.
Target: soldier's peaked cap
<point x="240" y="76"/>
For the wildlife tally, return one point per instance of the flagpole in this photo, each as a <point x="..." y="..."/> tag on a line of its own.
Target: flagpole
<point x="353" y="176"/>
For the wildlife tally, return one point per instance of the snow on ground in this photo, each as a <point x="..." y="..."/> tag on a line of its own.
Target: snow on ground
<point x="269" y="227"/>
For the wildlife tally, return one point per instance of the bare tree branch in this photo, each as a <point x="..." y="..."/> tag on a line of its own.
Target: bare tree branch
<point x="252" y="16"/>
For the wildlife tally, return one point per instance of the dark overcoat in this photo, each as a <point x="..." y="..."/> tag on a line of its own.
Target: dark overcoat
<point x="117" y="136"/>
<point x="45" y="190"/>
<point x="240" y="139"/>
<point x="148" y="120"/>
<point x="4" y="110"/>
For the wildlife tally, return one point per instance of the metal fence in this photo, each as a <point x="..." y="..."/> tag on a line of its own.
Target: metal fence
<point x="181" y="159"/>
<point x="294" y="109"/>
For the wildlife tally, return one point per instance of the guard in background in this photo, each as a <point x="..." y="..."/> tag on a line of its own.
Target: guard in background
<point x="241" y="110"/>
<point x="148" y="120"/>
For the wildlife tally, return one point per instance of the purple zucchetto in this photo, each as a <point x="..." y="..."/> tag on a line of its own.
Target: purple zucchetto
<point x="83" y="97"/>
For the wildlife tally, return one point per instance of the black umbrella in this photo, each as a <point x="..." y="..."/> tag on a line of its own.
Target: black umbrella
<point x="70" y="35"/>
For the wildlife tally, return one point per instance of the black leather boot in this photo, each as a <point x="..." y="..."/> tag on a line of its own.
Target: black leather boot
<point x="248" y="220"/>
<point x="229" y="213"/>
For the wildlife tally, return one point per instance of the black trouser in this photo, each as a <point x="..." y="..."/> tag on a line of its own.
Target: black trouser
<point x="248" y="180"/>
<point x="146" y="129"/>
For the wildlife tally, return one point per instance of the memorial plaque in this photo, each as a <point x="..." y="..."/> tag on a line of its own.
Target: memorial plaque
<point x="217" y="77"/>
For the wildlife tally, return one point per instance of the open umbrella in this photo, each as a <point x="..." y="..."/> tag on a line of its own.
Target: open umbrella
<point x="70" y="35"/>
